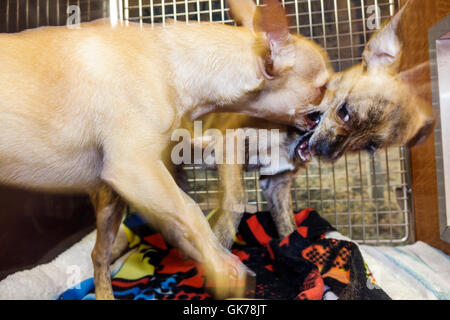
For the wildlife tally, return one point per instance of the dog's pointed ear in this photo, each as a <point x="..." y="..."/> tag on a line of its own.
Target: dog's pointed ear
<point x="417" y="79"/>
<point x="416" y="73"/>
<point x="243" y="12"/>
<point x="384" y="48"/>
<point x="425" y="130"/>
<point x="271" y="20"/>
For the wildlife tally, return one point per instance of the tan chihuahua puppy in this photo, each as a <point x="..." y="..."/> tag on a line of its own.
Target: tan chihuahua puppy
<point x="92" y="110"/>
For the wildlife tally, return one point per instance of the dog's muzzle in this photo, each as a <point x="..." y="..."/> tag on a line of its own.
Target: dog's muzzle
<point x="303" y="150"/>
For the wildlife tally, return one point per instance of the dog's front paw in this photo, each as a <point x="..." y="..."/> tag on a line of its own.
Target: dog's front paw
<point x="229" y="277"/>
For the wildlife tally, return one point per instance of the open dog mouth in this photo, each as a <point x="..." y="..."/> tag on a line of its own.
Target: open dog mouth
<point x="312" y="119"/>
<point x="303" y="150"/>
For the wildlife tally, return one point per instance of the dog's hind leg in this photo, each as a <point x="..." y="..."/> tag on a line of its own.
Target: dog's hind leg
<point x="277" y="191"/>
<point x="232" y="203"/>
<point x="120" y="244"/>
<point x="109" y="209"/>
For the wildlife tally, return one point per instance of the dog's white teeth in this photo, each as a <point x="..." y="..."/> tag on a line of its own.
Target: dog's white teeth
<point x="301" y="155"/>
<point x="305" y="157"/>
<point x="299" y="152"/>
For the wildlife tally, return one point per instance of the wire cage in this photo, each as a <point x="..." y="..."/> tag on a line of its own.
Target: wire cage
<point x="366" y="198"/>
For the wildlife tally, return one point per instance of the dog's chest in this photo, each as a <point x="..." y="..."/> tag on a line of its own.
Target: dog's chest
<point x="267" y="156"/>
<point x="278" y="163"/>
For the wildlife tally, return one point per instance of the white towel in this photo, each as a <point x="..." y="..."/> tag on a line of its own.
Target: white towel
<point x="415" y="271"/>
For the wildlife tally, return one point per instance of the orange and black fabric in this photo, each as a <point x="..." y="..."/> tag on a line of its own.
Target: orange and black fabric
<point x="304" y="265"/>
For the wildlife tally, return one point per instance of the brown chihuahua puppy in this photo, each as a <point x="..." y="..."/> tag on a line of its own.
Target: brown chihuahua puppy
<point x="367" y="107"/>
<point x="370" y="106"/>
<point x="92" y="110"/>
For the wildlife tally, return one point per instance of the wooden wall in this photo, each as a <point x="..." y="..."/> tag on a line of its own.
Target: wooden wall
<point x="419" y="17"/>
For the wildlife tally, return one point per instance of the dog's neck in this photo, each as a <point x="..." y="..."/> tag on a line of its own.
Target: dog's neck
<point x="214" y="67"/>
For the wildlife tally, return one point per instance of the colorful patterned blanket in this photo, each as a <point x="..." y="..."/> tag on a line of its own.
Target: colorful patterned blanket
<point x="304" y="265"/>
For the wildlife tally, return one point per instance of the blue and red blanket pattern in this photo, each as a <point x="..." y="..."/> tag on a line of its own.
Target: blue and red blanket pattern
<point x="304" y="265"/>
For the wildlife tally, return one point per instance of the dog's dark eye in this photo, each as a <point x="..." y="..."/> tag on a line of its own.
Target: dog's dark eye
<point x="343" y="113"/>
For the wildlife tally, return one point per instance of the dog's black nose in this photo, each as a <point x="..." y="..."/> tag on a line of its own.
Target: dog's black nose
<point x="327" y="148"/>
<point x="321" y="148"/>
